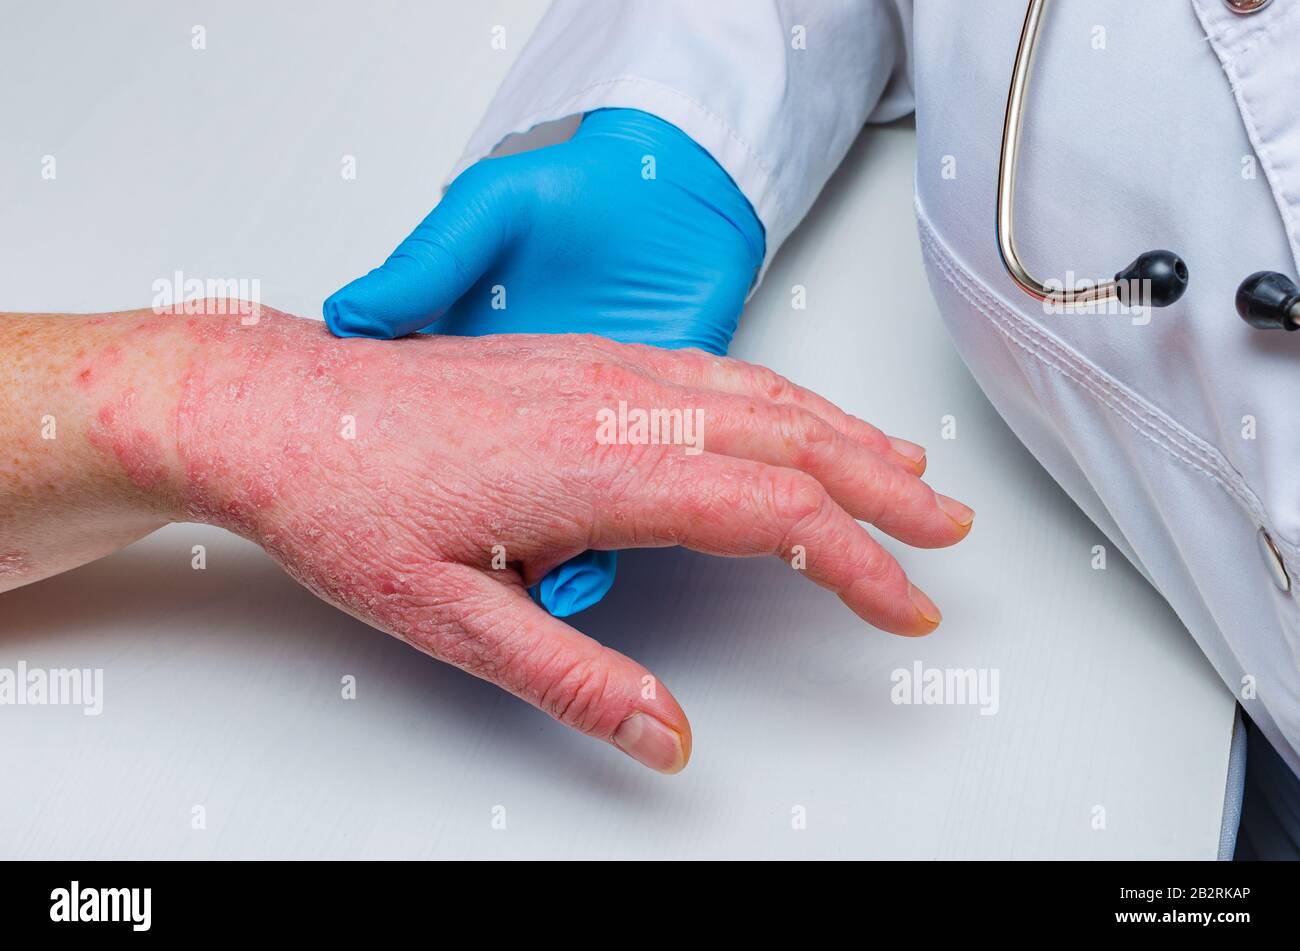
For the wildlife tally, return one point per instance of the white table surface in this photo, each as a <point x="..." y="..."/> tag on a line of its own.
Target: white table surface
<point x="222" y="686"/>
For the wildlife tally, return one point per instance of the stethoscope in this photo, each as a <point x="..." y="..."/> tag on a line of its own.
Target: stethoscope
<point x="1266" y="299"/>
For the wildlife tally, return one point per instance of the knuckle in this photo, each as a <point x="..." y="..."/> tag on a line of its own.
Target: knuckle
<point x="891" y="490"/>
<point x="812" y="439"/>
<point x="645" y="355"/>
<point x="815" y="430"/>
<point x="769" y="383"/>
<point x="576" y="694"/>
<point x="687" y="363"/>
<point x="604" y="377"/>
<point x="595" y="343"/>
<point x="875" y="568"/>
<point x="794" y="498"/>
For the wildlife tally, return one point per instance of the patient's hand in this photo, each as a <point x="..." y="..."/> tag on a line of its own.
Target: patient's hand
<point x="422" y="484"/>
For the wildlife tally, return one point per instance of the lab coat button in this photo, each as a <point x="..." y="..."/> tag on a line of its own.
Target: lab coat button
<point x="1247" y="6"/>
<point x="1273" y="560"/>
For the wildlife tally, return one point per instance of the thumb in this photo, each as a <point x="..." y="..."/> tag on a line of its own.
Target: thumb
<point x="503" y="637"/>
<point x="432" y="268"/>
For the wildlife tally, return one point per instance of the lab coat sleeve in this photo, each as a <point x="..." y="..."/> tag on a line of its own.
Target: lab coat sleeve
<point x="775" y="90"/>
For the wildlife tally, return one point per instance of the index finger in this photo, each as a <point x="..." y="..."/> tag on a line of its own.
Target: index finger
<point x="729" y="375"/>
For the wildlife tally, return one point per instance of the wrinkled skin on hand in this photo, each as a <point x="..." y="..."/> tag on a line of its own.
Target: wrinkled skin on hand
<point x="382" y="475"/>
<point x="586" y="238"/>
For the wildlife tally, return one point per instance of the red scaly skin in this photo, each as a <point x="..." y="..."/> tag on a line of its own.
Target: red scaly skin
<point x="385" y="475"/>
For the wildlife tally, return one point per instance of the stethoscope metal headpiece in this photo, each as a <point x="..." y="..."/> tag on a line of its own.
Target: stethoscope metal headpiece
<point x="1155" y="278"/>
<point x="1266" y="299"/>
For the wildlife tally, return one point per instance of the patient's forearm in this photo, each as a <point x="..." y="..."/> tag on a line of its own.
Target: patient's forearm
<point x="119" y="423"/>
<point x="87" y="421"/>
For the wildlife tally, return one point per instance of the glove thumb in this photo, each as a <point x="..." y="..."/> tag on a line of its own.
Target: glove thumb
<point x="429" y="271"/>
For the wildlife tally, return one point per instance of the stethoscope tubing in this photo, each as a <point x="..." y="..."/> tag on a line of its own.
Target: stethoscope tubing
<point x="1265" y="299"/>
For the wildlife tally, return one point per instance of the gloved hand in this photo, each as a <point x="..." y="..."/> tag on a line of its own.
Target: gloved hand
<point x="629" y="230"/>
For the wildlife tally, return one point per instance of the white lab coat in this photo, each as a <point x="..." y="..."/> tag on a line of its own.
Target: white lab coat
<point x="1161" y="124"/>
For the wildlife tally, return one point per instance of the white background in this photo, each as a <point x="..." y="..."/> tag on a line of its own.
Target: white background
<point x="223" y="686"/>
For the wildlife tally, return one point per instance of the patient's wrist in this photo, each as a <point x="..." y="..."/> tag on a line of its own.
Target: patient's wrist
<point x="157" y="393"/>
<point x="262" y="407"/>
<point x="115" y="424"/>
<point x="123" y="383"/>
<point x="238" y="389"/>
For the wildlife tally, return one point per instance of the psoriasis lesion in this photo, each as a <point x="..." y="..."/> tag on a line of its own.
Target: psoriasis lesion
<point x="15" y="564"/>
<point x="117" y="431"/>
<point x="249" y="411"/>
<point x="148" y="362"/>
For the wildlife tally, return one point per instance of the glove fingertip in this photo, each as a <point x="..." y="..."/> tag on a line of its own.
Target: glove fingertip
<point x="346" y="319"/>
<point x="577" y="584"/>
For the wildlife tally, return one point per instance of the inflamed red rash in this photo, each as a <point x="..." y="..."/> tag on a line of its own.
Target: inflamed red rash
<point x="117" y="431"/>
<point x="14" y="564"/>
<point x="125" y="424"/>
<point x="319" y="449"/>
<point x="249" y="421"/>
<point x="276" y="428"/>
<point x="330" y="454"/>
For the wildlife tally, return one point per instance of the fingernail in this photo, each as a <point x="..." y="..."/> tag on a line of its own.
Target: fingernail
<point x="963" y="515"/>
<point x="651" y="743"/>
<point x="910" y="451"/>
<point x="921" y="601"/>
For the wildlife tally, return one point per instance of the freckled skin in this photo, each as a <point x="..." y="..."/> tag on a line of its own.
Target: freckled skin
<point x="96" y="371"/>
<point x="381" y="474"/>
<point x="62" y="500"/>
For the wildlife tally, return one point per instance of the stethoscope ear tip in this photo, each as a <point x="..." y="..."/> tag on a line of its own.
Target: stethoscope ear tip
<point x="1155" y="278"/>
<point x="1269" y="300"/>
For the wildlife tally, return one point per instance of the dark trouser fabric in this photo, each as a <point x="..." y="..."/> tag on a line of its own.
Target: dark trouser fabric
<point x="1270" y="808"/>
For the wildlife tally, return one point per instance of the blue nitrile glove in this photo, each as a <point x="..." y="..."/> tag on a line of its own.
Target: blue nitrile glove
<point x="629" y="230"/>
